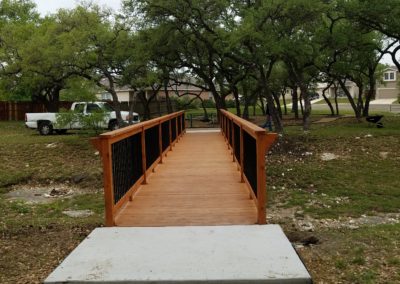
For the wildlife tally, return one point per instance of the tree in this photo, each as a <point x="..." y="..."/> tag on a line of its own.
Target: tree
<point x="300" y="48"/>
<point x="351" y="53"/>
<point x="79" y="89"/>
<point x="41" y="69"/>
<point x="102" y="45"/>
<point x="383" y="18"/>
<point x="17" y="21"/>
<point x="196" y="39"/>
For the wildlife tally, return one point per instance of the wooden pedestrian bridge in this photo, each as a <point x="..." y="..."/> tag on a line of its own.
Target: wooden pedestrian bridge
<point x="158" y="173"/>
<point x="166" y="191"/>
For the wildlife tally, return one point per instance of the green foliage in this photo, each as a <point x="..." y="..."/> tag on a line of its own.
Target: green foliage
<point x="93" y="121"/>
<point x="209" y="103"/>
<point x="66" y="118"/>
<point x="251" y="49"/>
<point x="230" y="103"/>
<point x="186" y="102"/>
<point x="79" y="90"/>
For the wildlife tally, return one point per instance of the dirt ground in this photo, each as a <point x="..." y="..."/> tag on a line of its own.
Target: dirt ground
<point x="30" y="253"/>
<point x="336" y="197"/>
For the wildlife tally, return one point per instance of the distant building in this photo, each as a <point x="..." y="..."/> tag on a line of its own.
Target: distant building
<point x="389" y="87"/>
<point x="330" y="93"/>
<point x="174" y="91"/>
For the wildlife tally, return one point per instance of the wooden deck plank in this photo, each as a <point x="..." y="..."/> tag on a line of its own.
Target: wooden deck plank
<point x="197" y="184"/>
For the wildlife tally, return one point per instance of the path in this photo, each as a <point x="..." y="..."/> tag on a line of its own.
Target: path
<point x="202" y="188"/>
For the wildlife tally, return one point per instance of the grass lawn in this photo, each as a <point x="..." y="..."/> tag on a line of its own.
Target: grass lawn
<point x="35" y="237"/>
<point x="339" y="100"/>
<point x="309" y="197"/>
<point x="360" y="183"/>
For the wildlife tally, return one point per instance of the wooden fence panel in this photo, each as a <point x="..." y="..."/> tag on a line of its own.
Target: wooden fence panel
<point x="17" y="110"/>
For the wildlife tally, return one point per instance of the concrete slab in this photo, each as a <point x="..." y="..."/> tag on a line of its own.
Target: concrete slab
<point x="215" y="254"/>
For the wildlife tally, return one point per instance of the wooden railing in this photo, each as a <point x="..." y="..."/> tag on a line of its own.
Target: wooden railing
<point x="248" y="144"/>
<point x="130" y="154"/>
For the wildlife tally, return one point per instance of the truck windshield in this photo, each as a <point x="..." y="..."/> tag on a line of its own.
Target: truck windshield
<point x="107" y="107"/>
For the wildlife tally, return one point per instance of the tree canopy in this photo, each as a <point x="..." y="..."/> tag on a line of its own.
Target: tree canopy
<point x="252" y="50"/>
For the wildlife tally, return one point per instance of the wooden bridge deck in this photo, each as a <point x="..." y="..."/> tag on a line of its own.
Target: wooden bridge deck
<point x="197" y="184"/>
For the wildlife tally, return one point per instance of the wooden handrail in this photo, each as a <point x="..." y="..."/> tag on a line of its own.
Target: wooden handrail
<point x="104" y="143"/>
<point x="263" y="141"/>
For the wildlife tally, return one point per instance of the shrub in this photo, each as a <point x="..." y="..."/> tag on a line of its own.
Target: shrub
<point x="230" y="103"/>
<point x="94" y="121"/>
<point x="209" y="103"/>
<point x="183" y="103"/>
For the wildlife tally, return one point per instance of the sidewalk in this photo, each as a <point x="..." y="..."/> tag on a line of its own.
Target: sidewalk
<point x="383" y="102"/>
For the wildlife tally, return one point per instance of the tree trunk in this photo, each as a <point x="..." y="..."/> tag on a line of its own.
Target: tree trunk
<point x="274" y="112"/>
<point x="295" y="103"/>
<point x="278" y="103"/>
<point x="116" y="104"/>
<point x="245" y="113"/>
<point x="307" y="107"/>
<point x="335" y="86"/>
<point x="350" y="98"/>
<point x="237" y="102"/>
<point x="371" y="92"/>
<point x="146" y="109"/>
<point x="167" y="98"/>
<point x="117" y="107"/>
<point x="301" y="104"/>
<point x="131" y="106"/>
<point x="327" y="100"/>
<point x="394" y="58"/>
<point x="219" y="102"/>
<point x="284" y="101"/>
<point x="360" y="103"/>
<point x="52" y="99"/>
<point x="261" y="99"/>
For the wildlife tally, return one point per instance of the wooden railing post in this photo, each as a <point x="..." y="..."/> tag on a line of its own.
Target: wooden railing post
<point x="261" y="179"/>
<point x="241" y="155"/>
<point x="144" y="164"/>
<point x="176" y="129"/>
<point x="233" y="142"/>
<point x="227" y="132"/>
<point x="106" y="155"/>
<point x="170" y="134"/>
<point x="160" y="141"/>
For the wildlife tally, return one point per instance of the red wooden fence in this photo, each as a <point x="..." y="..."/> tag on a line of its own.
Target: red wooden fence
<point x="17" y="110"/>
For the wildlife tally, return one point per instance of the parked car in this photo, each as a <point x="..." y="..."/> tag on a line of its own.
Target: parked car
<point x="45" y="123"/>
<point x="313" y="96"/>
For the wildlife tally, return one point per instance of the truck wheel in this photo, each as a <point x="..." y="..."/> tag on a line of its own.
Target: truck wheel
<point x="113" y="125"/>
<point x="61" y="131"/>
<point x="45" y="128"/>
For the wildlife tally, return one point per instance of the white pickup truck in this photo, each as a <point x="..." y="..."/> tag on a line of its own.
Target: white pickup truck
<point x="45" y="123"/>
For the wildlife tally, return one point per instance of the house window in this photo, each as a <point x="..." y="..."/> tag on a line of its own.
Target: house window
<point x="389" y="76"/>
<point x="106" y="96"/>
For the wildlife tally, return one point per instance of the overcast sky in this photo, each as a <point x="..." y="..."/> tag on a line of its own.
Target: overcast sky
<point x="51" y="6"/>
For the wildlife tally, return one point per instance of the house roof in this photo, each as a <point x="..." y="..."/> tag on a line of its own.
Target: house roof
<point x="391" y="68"/>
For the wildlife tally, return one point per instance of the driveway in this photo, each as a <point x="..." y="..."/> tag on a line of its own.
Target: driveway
<point x="383" y="102"/>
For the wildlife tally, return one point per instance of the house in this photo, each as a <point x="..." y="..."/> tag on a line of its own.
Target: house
<point x="173" y="91"/>
<point x="330" y="93"/>
<point x="389" y="86"/>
